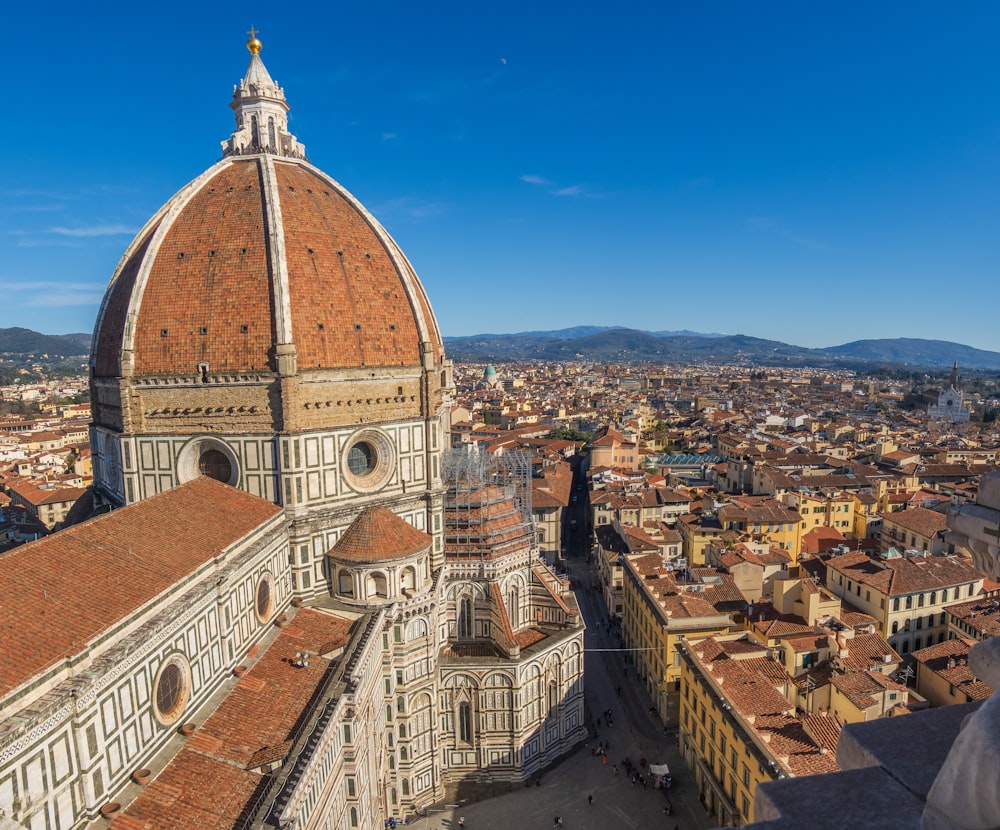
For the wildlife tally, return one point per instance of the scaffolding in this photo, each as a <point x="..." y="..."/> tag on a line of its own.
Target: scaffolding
<point x="487" y="503"/>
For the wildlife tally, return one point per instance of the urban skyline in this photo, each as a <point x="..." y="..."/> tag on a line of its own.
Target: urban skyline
<point x="788" y="163"/>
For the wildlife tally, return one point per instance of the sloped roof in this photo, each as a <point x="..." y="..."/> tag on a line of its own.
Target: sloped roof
<point x="379" y="535"/>
<point x="60" y="592"/>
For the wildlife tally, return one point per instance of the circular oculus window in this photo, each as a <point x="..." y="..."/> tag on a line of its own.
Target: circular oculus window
<point x="172" y="689"/>
<point x="369" y="460"/>
<point x="208" y="456"/>
<point x="215" y="464"/>
<point x="264" y="599"/>
<point x="361" y="459"/>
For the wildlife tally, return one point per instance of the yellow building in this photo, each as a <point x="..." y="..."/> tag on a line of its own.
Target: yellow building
<point x="656" y="613"/>
<point x="764" y="519"/>
<point x="820" y="509"/>
<point x="906" y="595"/>
<point x="867" y="520"/>
<point x="944" y="676"/>
<point x="698" y="531"/>
<point x="738" y="727"/>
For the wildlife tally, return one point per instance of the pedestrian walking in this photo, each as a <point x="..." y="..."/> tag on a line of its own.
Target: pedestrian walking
<point x="590" y="799"/>
<point x="461" y="821"/>
<point x="615" y="768"/>
<point x="604" y="760"/>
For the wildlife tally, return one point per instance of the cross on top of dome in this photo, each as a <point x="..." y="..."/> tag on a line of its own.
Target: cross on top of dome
<point x="253" y="44"/>
<point x="261" y="112"/>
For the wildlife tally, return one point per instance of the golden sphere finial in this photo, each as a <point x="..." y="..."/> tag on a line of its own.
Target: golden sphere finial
<point x="253" y="44"/>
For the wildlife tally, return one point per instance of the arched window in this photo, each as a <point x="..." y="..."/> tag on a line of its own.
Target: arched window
<point x="378" y="586"/>
<point x="345" y="583"/>
<point x="406" y="786"/>
<point x="553" y="698"/>
<point x="895" y="626"/>
<point x="514" y="607"/>
<point x="465" y="722"/>
<point x="272" y="138"/>
<point x="465" y="617"/>
<point x="408" y="579"/>
<point x="254" y="131"/>
<point x="402" y="753"/>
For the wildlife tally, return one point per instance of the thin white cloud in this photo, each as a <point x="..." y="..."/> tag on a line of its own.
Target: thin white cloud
<point x="48" y="242"/>
<point x="48" y="285"/>
<point x="408" y="208"/>
<point x="761" y="223"/>
<point x="698" y="183"/>
<point x="388" y="136"/>
<point x="40" y="208"/>
<point x="776" y="227"/>
<point x="530" y="178"/>
<point x="572" y="190"/>
<point x="94" y="230"/>
<point x="65" y="298"/>
<point x="30" y="193"/>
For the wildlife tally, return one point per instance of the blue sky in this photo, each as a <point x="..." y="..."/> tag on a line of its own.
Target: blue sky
<point x="813" y="173"/>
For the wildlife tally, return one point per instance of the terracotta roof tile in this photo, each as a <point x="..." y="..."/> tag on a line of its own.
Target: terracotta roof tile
<point x="379" y="535"/>
<point x="211" y="781"/>
<point x="98" y="572"/>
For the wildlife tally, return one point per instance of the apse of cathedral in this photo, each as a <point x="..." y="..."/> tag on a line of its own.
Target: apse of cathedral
<point x="288" y="607"/>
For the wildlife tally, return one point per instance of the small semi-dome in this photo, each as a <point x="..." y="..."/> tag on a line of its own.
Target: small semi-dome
<point x="379" y="535"/>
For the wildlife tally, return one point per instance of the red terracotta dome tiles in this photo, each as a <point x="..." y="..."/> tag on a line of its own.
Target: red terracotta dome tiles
<point x="107" y="360"/>
<point x="208" y="295"/>
<point x="350" y="307"/>
<point x="379" y="535"/>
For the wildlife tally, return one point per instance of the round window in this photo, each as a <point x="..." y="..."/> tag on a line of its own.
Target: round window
<point x="215" y="464"/>
<point x="173" y="687"/>
<point x="264" y="599"/>
<point x="369" y="460"/>
<point x="361" y="459"/>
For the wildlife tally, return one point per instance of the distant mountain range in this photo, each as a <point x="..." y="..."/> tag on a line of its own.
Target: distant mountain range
<point x="622" y="345"/>
<point x="25" y="342"/>
<point x="578" y="331"/>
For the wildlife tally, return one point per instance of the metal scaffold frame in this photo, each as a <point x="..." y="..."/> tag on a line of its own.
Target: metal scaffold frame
<point x="469" y="473"/>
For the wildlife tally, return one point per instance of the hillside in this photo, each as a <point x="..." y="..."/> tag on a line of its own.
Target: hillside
<point x="633" y="346"/>
<point x="25" y="342"/>
<point x="607" y="344"/>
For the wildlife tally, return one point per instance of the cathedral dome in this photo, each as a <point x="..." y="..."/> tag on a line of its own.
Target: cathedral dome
<point x="262" y="263"/>
<point x="261" y="325"/>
